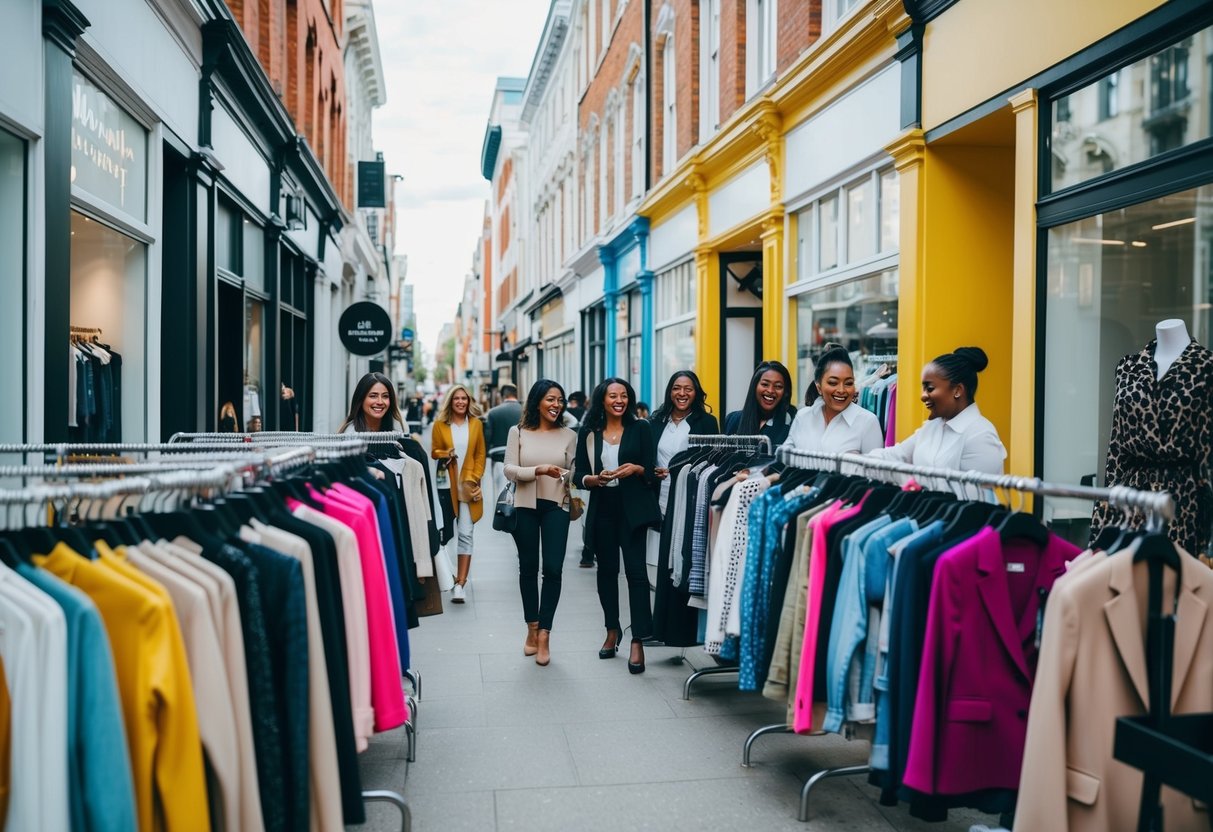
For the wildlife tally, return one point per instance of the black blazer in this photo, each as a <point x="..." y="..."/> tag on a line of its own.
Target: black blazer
<point x="701" y="424"/>
<point x="639" y="502"/>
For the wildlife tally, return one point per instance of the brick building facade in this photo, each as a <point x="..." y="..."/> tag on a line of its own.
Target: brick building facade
<point x="299" y="45"/>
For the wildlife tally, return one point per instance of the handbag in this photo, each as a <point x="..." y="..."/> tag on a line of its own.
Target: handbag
<point x="431" y="604"/>
<point x="505" y="516"/>
<point x="573" y="504"/>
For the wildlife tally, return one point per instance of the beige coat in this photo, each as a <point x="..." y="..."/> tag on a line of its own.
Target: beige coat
<point x="1092" y="670"/>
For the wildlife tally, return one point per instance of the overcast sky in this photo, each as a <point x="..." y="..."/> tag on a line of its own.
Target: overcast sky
<point x="440" y="62"/>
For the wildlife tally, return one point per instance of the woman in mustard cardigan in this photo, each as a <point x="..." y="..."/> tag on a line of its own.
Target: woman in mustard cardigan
<point x="458" y="445"/>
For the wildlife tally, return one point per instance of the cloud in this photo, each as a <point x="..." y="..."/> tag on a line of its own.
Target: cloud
<point x="441" y="62"/>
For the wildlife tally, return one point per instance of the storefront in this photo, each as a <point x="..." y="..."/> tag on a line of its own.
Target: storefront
<point x="1062" y="205"/>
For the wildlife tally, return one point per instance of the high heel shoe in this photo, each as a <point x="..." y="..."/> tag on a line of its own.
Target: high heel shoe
<point x="531" y="646"/>
<point x="544" y="655"/>
<point x="636" y="667"/>
<point x="610" y="647"/>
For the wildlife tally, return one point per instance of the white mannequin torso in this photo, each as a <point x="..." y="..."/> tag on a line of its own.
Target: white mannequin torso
<point x="1173" y="339"/>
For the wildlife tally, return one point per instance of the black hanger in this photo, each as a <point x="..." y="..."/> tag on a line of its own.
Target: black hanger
<point x="38" y="540"/>
<point x="1103" y="542"/>
<point x="1019" y="525"/>
<point x="243" y="507"/>
<point x="73" y="537"/>
<point x="1155" y="546"/>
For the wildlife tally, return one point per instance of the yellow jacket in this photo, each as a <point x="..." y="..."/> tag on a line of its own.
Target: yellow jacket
<point x="154" y="683"/>
<point x="468" y="470"/>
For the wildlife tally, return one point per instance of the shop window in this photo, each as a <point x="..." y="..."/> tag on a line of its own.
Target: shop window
<point x="12" y="288"/>
<point x="109" y="305"/>
<point x="850" y="227"/>
<point x="674" y="348"/>
<point x="1110" y="279"/>
<point x="593" y="327"/>
<point x="861" y="315"/>
<point x="1134" y="113"/>
<point x="627" y="336"/>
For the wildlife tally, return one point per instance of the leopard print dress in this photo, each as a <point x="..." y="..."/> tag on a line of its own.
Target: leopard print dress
<point x="1162" y="440"/>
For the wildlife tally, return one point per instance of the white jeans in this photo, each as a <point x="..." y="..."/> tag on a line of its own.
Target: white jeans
<point x="463" y="530"/>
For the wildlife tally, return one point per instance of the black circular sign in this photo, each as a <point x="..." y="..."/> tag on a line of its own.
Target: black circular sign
<point x="365" y="328"/>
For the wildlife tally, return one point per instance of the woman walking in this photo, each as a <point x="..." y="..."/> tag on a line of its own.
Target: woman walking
<point x="538" y="456"/>
<point x="458" y="445"/>
<point x="615" y="457"/>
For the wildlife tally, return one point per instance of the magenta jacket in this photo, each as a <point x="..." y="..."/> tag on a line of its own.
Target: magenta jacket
<point x="979" y="659"/>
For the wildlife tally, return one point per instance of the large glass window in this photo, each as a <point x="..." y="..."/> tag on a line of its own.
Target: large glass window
<point x="12" y="287"/>
<point x="861" y="315"/>
<point x="1110" y="279"/>
<point x="627" y="337"/>
<point x="855" y="224"/>
<point x="675" y="343"/>
<point x="109" y="300"/>
<point x="1134" y="113"/>
<point x="593" y="329"/>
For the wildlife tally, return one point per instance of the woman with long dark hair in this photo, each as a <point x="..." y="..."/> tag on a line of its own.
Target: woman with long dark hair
<point x="614" y="460"/>
<point x="373" y="406"/>
<point x="768" y="408"/>
<point x="684" y="410"/>
<point x="538" y="456"/>
<point x="832" y="421"/>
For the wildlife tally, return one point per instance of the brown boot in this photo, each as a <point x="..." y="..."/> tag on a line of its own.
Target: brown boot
<point x="531" y="646"/>
<point x="544" y="656"/>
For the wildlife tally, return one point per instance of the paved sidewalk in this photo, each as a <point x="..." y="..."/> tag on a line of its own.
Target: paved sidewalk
<point x="581" y="745"/>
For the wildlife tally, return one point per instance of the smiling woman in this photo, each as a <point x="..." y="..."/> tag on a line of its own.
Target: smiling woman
<point x="834" y="422"/>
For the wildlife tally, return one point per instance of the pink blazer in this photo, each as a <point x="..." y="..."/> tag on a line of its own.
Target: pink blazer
<point x="978" y="663"/>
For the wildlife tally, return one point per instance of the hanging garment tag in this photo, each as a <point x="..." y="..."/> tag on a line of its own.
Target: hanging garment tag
<point x="1015" y="567"/>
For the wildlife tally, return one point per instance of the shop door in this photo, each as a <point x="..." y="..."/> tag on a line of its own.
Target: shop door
<point x="740" y="323"/>
<point x="230" y="350"/>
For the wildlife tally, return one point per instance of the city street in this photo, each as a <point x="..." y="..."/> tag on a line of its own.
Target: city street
<point x="504" y="744"/>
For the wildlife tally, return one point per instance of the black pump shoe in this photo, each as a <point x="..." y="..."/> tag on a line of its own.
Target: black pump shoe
<point x="609" y="650"/>
<point x="636" y="667"/>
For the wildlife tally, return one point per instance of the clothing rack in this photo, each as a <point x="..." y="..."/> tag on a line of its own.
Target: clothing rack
<point x="223" y="467"/>
<point x="715" y="440"/>
<point x="78" y="333"/>
<point x="1158" y="506"/>
<point x="280" y="436"/>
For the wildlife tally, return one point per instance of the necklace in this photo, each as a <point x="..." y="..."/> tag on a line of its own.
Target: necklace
<point x="676" y="419"/>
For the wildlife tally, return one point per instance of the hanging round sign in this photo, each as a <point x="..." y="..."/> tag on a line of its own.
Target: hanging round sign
<point x="365" y="328"/>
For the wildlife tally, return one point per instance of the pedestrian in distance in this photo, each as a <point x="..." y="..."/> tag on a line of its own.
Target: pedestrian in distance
<point x="497" y="431"/>
<point x="768" y="409"/>
<point x="614" y="461"/>
<point x="538" y="459"/>
<point x="457" y="442"/>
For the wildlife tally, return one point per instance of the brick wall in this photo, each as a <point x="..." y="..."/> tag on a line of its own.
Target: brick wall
<point x="298" y="44"/>
<point x="612" y="76"/>
<point x="799" y="28"/>
<point x="732" y="57"/>
<point x="685" y="56"/>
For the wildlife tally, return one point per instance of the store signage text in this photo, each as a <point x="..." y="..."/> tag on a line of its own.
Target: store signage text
<point x="107" y="146"/>
<point x="365" y="328"/>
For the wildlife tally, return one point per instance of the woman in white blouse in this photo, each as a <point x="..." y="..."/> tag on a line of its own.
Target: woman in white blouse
<point x="833" y="422"/>
<point x="956" y="436"/>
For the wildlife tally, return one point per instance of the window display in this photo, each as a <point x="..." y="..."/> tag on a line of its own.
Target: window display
<point x="1111" y="278"/>
<point x="107" y="395"/>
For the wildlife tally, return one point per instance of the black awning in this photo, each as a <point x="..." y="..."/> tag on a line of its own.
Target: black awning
<point x="550" y="293"/>
<point x="513" y="352"/>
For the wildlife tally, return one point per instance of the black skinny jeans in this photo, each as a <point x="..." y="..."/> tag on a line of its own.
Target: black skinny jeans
<point x="546" y="526"/>
<point x="610" y="537"/>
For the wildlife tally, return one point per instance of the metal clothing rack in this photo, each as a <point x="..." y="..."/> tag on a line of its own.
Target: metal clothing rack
<point x="179" y="472"/>
<point x="300" y="437"/>
<point x="1158" y="506"/>
<point x="715" y="440"/>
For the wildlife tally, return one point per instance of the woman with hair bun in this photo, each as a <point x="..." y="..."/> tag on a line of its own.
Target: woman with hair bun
<point x="831" y="421"/>
<point x="956" y="436"/>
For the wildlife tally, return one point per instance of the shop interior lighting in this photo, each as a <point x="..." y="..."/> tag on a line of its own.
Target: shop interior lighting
<point x="1094" y="242"/>
<point x="1173" y="223"/>
<point x="1139" y="244"/>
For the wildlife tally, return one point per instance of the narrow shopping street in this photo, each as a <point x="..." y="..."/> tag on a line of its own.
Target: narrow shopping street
<point x="582" y="745"/>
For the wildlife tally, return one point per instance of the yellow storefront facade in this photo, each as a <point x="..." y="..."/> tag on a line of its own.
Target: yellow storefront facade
<point x="1042" y="189"/>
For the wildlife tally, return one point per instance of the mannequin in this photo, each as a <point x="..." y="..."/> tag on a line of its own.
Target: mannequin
<point x="1162" y="434"/>
<point x="1173" y="339"/>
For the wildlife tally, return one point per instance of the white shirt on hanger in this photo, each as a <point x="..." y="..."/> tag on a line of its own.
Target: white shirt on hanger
<point x="854" y="430"/>
<point x="966" y="442"/>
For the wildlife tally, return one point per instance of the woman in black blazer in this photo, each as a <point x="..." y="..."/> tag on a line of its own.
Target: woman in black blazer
<point x="614" y="461"/>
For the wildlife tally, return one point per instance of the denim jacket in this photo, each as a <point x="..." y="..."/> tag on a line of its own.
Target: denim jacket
<point x="850" y="674"/>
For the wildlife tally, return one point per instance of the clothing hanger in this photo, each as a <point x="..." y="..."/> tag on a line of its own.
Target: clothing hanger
<point x="1023" y="526"/>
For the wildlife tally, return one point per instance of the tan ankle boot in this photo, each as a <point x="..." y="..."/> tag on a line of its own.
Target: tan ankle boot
<point x="531" y="646"/>
<point x="544" y="655"/>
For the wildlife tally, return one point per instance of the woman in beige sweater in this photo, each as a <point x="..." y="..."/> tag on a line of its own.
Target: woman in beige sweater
<point x="538" y="457"/>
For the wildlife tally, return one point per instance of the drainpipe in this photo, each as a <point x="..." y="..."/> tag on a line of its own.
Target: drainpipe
<point x="648" y="94"/>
